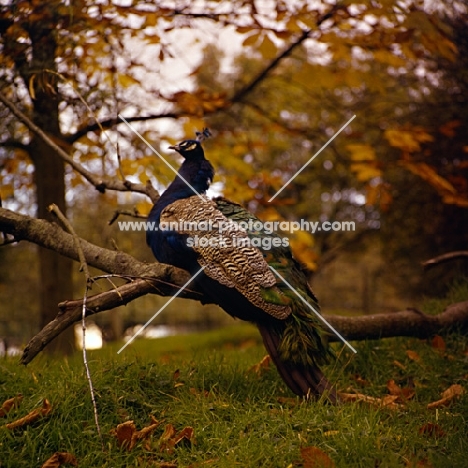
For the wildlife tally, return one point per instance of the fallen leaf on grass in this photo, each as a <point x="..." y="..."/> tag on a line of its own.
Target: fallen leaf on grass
<point x="263" y="365"/>
<point x="438" y="343"/>
<point x="204" y="393"/>
<point x="403" y="394"/>
<point x="413" y="355"/>
<point x="423" y="463"/>
<point x="399" y="364"/>
<point x="149" y="460"/>
<point x="32" y="416"/>
<point x="290" y="402"/>
<point x="362" y="382"/>
<point x="313" y="457"/>
<point x="170" y="438"/>
<point x="431" y="429"/>
<point x="388" y="401"/>
<point x="128" y="436"/>
<point x="60" y="458"/>
<point x="204" y="463"/>
<point x="453" y="392"/>
<point x="9" y="404"/>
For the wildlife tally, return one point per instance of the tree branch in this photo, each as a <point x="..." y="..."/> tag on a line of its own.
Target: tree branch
<point x="445" y="258"/>
<point x="166" y="280"/>
<point x="243" y="92"/>
<point x="51" y="236"/>
<point x="100" y="184"/>
<point x="109" y="123"/>
<point x="238" y="96"/>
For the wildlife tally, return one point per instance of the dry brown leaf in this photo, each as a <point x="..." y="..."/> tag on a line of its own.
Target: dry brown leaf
<point x="393" y="388"/>
<point x="124" y="433"/>
<point x="403" y="394"/>
<point x="423" y="463"/>
<point x="9" y="404"/>
<point x="313" y="457"/>
<point x="263" y="365"/>
<point x="438" y="343"/>
<point x="362" y="382"/>
<point x="170" y="438"/>
<point x="387" y="401"/>
<point x="399" y="364"/>
<point x="194" y="391"/>
<point x="413" y="355"/>
<point x="288" y="401"/>
<point x="60" y="458"/>
<point x="32" y="416"/>
<point x="431" y="429"/>
<point x="453" y="392"/>
<point x="128" y="436"/>
<point x="176" y="374"/>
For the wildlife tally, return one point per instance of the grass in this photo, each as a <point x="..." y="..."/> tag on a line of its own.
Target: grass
<point x="240" y="418"/>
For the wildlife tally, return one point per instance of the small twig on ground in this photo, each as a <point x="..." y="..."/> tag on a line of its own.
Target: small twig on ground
<point x="84" y="268"/>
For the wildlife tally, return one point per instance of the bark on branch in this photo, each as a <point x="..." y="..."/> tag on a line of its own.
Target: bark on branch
<point x="165" y="280"/>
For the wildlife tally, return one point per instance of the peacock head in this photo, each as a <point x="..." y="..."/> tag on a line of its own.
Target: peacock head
<point x="189" y="149"/>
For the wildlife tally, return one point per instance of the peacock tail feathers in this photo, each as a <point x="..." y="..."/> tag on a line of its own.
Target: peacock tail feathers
<point x="302" y="337"/>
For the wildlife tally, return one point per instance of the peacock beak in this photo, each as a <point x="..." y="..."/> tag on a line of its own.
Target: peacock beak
<point x="174" y="147"/>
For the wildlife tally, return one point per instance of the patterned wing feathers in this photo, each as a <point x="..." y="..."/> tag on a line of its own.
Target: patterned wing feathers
<point x="225" y="252"/>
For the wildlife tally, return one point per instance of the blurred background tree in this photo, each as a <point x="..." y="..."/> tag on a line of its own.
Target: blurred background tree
<point x="274" y="82"/>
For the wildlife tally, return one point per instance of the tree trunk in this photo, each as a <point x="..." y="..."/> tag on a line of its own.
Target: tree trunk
<point x="49" y="175"/>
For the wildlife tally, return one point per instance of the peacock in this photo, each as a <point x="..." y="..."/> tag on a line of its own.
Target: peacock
<point x="248" y="272"/>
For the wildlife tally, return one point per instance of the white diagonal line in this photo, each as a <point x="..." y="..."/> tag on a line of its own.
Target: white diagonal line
<point x="158" y="154"/>
<point x="312" y="158"/>
<point x="314" y="311"/>
<point x="160" y="310"/>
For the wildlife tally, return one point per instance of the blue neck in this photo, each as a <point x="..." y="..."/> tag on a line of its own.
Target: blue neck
<point x="198" y="173"/>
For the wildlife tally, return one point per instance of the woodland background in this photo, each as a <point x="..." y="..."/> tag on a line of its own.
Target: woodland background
<point x="273" y="80"/>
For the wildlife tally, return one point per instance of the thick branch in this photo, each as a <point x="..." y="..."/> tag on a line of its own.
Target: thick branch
<point x="70" y="312"/>
<point x="166" y="280"/>
<point x="51" y="236"/>
<point x="404" y="323"/>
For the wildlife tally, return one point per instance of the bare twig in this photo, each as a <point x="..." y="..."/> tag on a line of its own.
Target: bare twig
<point x="133" y="214"/>
<point x="100" y="184"/>
<point x="243" y="92"/>
<point x="445" y="258"/>
<point x="83" y="267"/>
